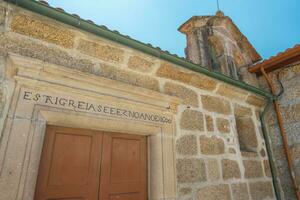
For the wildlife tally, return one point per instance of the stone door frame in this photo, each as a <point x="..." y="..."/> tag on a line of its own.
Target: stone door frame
<point x="24" y="127"/>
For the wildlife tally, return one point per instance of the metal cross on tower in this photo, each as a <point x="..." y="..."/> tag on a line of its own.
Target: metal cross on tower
<point x="218" y="6"/>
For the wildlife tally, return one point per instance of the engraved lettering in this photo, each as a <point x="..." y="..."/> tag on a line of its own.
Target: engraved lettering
<point x="26" y="95"/>
<point x="81" y="105"/>
<point x="63" y="101"/>
<point x="48" y="99"/>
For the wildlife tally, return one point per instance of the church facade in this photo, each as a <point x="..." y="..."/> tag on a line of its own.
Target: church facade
<point x="87" y="113"/>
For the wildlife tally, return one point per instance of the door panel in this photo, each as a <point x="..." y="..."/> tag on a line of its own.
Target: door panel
<point x="72" y="159"/>
<point x="70" y="165"/>
<point x="124" y="168"/>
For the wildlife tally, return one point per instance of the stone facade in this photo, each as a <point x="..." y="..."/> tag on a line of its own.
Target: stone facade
<point x="202" y="136"/>
<point x="290" y="107"/>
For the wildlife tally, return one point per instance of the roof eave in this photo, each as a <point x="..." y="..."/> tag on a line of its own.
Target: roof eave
<point x="85" y="25"/>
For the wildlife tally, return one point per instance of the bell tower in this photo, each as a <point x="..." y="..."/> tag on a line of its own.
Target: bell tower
<point x="216" y="43"/>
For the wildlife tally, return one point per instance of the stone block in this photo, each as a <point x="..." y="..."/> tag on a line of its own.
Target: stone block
<point x="190" y="170"/>
<point x="213" y="170"/>
<point x="140" y="64"/>
<point x="249" y="154"/>
<point x="216" y="104"/>
<point x="43" y="30"/>
<point x="232" y="150"/>
<point x="242" y="111"/>
<point x="240" y="191"/>
<point x="32" y="49"/>
<point x="209" y="123"/>
<point x="169" y="71"/>
<point x="253" y="169"/>
<point x="291" y="113"/>
<point x="197" y="80"/>
<point x="223" y="125"/>
<point x="101" y="51"/>
<point x="128" y="77"/>
<point x="267" y="168"/>
<point x="246" y="133"/>
<point x="295" y="151"/>
<point x="255" y="100"/>
<point x="187" y="145"/>
<point x="261" y="190"/>
<point x="230" y="169"/>
<point x="211" y="145"/>
<point x="188" y="96"/>
<point x="202" y="82"/>
<point x="2" y="15"/>
<point x="232" y="92"/>
<point x="192" y="120"/>
<point x="215" y="192"/>
<point x="184" y="191"/>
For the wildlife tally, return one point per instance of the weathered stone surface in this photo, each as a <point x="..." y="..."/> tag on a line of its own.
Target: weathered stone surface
<point x="295" y="151"/>
<point x="291" y="113"/>
<point x="9" y="43"/>
<point x="42" y="30"/>
<point x="242" y="111"/>
<point x="211" y="145"/>
<point x="192" y="120"/>
<point x="200" y="81"/>
<point x="240" y="191"/>
<point x="215" y="104"/>
<point x="261" y="190"/>
<point x="230" y="169"/>
<point x="2" y="99"/>
<point x="216" y="192"/>
<point x="169" y="71"/>
<point x="185" y="191"/>
<point x="2" y="15"/>
<point x="190" y="170"/>
<point x="267" y="168"/>
<point x="253" y="169"/>
<point x="187" y="145"/>
<point x="188" y="96"/>
<point x="128" y="77"/>
<point x="209" y="123"/>
<point x="246" y="133"/>
<point x="262" y="152"/>
<point x="249" y="154"/>
<point x="232" y="92"/>
<point x="255" y="101"/>
<point x="223" y="125"/>
<point x="101" y="51"/>
<point x="215" y="42"/>
<point x="213" y="170"/>
<point x="140" y="64"/>
<point x="232" y="150"/>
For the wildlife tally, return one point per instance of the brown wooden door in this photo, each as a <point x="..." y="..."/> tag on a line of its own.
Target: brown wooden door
<point x="72" y="159"/>
<point x="124" y="168"/>
<point x="70" y="165"/>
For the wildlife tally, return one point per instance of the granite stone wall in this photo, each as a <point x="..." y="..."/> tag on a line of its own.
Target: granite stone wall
<point x="212" y="120"/>
<point x="290" y="105"/>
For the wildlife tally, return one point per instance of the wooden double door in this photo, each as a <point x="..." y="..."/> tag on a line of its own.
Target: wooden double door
<point x="79" y="164"/>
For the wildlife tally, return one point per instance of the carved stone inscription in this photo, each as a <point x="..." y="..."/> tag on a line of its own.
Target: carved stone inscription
<point x="75" y="104"/>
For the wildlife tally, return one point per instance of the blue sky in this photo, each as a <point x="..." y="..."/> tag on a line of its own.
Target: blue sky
<point x="270" y="25"/>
